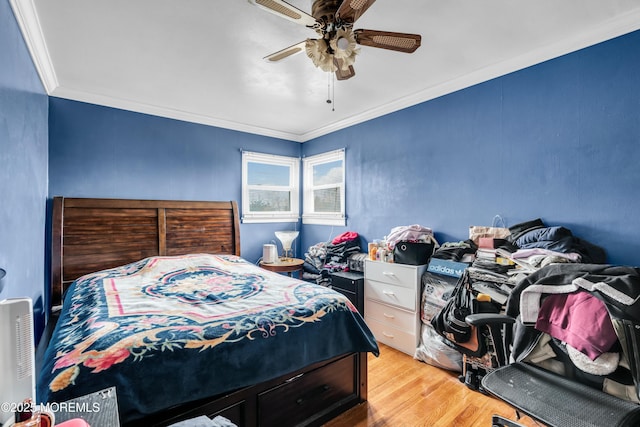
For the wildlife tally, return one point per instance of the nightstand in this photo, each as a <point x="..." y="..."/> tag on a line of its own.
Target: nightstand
<point x="99" y="409"/>
<point x="350" y="284"/>
<point x="280" y="266"/>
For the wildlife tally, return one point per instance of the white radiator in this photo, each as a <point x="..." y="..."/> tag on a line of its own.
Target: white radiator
<point x="17" y="355"/>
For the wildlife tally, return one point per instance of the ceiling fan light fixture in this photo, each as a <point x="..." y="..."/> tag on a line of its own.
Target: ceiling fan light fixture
<point x="344" y="47"/>
<point x="317" y="50"/>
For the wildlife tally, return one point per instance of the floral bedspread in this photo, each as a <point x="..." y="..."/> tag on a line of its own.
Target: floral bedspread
<point x="169" y="330"/>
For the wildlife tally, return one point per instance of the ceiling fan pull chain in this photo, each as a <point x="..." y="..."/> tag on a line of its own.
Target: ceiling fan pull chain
<point x="329" y="101"/>
<point x="331" y="91"/>
<point x="332" y="76"/>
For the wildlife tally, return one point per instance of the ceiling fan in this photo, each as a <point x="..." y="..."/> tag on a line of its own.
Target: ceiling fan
<point x="335" y="49"/>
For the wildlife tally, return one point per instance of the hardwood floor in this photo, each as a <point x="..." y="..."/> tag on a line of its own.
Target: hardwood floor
<point x="404" y="392"/>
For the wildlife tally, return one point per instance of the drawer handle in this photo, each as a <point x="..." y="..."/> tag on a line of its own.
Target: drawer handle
<point x="294" y="378"/>
<point x="388" y="335"/>
<point x="389" y="273"/>
<point x="389" y="316"/>
<point x="388" y="293"/>
<point x="313" y="394"/>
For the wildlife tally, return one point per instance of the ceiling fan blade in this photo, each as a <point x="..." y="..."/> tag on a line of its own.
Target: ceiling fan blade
<point x="286" y="11"/>
<point x="343" y="74"/>
<point x="286" y="52"/>
<point x="351" y="10"/>
<point x="401" y="42"/>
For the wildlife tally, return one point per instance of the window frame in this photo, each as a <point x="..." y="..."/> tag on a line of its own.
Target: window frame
<point x="293" y="215"/>
<point x="309" y="215"/>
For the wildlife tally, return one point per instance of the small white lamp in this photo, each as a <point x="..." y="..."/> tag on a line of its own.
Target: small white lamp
<point x="286" y="238"/>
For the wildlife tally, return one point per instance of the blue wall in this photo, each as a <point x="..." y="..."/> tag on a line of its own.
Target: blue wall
<point x="559" y="141"/>
<point x="105" y="152"/>
<point x="23" y="168"/>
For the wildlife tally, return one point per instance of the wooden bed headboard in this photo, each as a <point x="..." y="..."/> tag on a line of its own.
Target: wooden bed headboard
<point x="90" y="235"/>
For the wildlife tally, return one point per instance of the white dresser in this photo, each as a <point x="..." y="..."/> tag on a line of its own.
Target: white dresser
<point x="392" y="303"/>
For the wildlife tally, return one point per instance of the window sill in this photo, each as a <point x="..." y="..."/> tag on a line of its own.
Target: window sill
<point x="324" y="220"/>
<point x="252" y="219"/>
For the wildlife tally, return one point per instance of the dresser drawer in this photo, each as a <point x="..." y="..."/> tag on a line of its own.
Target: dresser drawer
<point x="393" y="337"/>
<point x="392" y="316"/>
<point x="398" y="274"/>
<point x="391" y="294"/>
<point x="288" y="405"/>
<point x="347" y="280"/>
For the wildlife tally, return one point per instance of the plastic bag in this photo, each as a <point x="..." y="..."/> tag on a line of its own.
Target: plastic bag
<point x="434" y="351"/>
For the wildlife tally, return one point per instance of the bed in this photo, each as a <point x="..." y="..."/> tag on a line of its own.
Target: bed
<point x="156" y="301"/>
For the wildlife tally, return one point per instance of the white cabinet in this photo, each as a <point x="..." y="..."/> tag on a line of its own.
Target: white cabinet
<point x="392" y="303"/>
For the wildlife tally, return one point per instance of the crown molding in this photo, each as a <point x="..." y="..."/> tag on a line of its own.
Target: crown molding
<point x="27" y="17"/>
<point x="171" y="113"/>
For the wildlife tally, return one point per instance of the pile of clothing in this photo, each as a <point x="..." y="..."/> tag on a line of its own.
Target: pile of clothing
<point x="410" y="233"/>
<point x="529" y="247"/>
<point x="323" y="258"/>
<point x="463" y="251"/>
<point x="557" y="242"/>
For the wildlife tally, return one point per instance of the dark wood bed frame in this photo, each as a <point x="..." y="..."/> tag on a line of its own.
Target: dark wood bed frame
<point x="89" y="235"/>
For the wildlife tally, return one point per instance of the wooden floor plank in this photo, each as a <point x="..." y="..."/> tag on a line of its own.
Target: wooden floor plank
<point x="404" y="392"/>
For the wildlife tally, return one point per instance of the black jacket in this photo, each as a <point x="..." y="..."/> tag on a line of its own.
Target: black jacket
<point x="621" y="282"/>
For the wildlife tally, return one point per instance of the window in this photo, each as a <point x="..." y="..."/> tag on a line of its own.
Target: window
<point x="324" y="189"/>
<point x="270" y="188"/>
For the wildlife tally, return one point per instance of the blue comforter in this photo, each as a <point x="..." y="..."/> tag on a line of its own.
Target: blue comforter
<point x="169" y="330"/>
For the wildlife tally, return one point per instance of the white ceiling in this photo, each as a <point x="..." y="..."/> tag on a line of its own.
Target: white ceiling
<point x="201" y="60"/>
